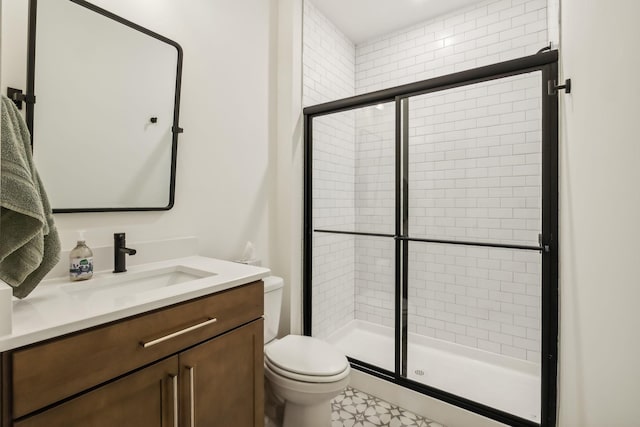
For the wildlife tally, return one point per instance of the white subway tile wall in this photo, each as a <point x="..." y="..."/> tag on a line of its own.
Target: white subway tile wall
<point x="474" y="174"/>
<point x="375" y="168"/>
<point x="329" y="74"/>
<point x="328" y="59"/>
<point x="475" y="162"/>
<point x="375" y="280"/>
<point x="480" y="297"/>
<point x="375" y="213"/>
<point x="482" y="34"/>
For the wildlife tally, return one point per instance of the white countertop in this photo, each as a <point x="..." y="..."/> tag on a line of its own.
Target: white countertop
<point x="52" y="310"/>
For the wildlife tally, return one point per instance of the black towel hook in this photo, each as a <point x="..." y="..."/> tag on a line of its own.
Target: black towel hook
<point x="18" y="97"/>
<point x="553" y="87"/>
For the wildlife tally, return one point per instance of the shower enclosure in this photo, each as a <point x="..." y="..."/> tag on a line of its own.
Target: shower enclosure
<point x="431" y="236"/>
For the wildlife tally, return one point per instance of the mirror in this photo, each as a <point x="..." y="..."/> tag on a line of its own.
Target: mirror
<point x="105" y="120"/>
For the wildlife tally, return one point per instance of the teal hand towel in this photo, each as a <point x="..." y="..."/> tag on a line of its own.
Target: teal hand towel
<point x="29" y="242"/>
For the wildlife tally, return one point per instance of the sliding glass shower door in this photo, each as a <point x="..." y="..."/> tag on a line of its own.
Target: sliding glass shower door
<point x="473" y="201"/>
<point x="354" y="220"/>
<point x="431" y="236"/>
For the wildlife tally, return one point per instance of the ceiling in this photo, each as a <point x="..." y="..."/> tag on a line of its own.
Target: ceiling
<point x="361" y="20"/>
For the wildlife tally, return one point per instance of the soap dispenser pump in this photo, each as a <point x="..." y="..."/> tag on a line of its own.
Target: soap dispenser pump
<point x="81" y="261"/>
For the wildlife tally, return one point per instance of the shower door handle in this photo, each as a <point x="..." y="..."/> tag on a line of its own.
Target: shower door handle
<point x="543" y="247"/>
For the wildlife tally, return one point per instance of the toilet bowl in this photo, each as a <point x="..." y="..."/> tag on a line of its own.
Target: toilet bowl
<point x="304" y="372"/>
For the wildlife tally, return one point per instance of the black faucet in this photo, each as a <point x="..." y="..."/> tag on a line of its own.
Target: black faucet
<point x="120" y="252"/>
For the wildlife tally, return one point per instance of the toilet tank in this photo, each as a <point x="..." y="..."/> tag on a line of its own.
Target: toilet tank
<point x="272" y="304"/>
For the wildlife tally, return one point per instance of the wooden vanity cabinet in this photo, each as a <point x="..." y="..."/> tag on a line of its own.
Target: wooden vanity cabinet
<point x="142" y="399"/>
<point x="194" y="370"/>
<point x="222" y="380"/>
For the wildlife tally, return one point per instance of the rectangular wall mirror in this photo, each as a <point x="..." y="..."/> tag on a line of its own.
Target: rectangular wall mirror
<point x="105" y="120"/>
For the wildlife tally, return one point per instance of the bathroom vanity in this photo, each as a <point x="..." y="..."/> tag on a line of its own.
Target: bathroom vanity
<point x="193" y="362"/>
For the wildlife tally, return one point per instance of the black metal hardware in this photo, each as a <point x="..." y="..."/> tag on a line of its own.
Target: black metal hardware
<point x="544" y="48"/>
<point x="553" y="87"/>
<point x="398" y="303"/>
<point x="354" y="233"/>
<point x="120" y="252"/>
<point x="18" y="97"/>
<point x="398" y="267"/>
<point x="481" y="244"/>
<point x="153" y="120"/>
<point x="539" y="248"/>
<point x="403" y="105"/>
<point x="476" y="75"/>
<point x="307" y="238"/>
<point x="543" y="61"/>
<point x="31" y="60"/>
<point x="543" y="247"/>
<point x="549" y="297"/>
<point x="31" y="64"/>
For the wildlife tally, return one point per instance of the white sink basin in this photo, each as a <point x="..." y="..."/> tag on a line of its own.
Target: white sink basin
<point x="129" y="283"/>
<point x="59" y="307"/>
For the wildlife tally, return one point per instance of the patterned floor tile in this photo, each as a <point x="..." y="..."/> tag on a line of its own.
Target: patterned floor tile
<point x="354" y="408"/>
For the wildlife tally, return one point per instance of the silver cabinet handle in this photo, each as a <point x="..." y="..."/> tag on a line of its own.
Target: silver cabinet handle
<point x="192" y="408"/>
<point x="174" y="380"/>
<point x="148" y="344"/>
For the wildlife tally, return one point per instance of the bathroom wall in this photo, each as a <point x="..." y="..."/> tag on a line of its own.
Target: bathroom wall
<point x="599" y="211"/>
<point x="488" y="32"/>
<point x="286" y="251"/>
<point x="13" y="66"/>
<point x="225" y="166"/>
<point x="328" y="74"/>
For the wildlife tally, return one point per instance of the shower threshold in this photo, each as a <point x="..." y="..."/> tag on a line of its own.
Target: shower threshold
<point x="505" y="383"/>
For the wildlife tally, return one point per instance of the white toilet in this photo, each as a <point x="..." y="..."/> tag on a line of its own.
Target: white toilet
<point x="304" y="372"/>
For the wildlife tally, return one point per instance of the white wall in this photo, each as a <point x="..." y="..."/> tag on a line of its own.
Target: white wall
<point x="287" y="246"/>
<point x="599" y="214"/>
<point x="225" y="171"/>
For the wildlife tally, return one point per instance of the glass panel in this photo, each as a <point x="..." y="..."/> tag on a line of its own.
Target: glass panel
<point x="475" y="162"/>
<point x="353" y="295"/>
<point x="474" y="324"/>
<point x="333" y="282"/>
<point x="115" y="158"/>
<point x="473" y="165"/>
<point x="353" y="170"/>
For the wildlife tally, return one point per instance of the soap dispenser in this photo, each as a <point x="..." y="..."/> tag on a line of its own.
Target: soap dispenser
<point x="81" y="261"/>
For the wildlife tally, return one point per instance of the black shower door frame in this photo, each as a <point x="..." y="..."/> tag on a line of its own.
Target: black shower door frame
<point x="547" y="64"/>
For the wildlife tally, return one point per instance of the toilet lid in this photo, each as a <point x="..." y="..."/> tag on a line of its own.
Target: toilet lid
<point x="270" y="367"/>
<point x="306" y="356"/>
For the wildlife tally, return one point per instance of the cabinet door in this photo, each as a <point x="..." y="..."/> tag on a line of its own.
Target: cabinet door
<point x="222" y="380"/>
<point x="142" y="399"/>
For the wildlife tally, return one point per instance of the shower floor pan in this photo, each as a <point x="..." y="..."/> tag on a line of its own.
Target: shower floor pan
<point x="504" y="383"/>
